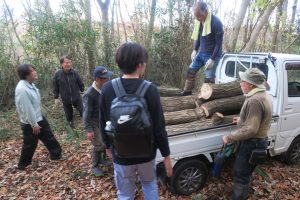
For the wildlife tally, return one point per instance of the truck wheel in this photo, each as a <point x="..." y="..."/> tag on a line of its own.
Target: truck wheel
<point x="189" y="176"/>
<point x="293" y="153"/>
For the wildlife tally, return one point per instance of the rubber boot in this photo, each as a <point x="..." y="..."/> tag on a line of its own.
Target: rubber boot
<point x="209" y="80"/>
<point x="96" y="157"/>
<point x="104" y="161"/>
<point x="189" y="83"/>
<point x="240" y="192"/>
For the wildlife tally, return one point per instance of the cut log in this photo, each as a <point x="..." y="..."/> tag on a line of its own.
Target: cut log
<point x="170" y="104"/>
<point x="169" y="92"/>
<point x="217" y="91"/>
<point x="199" y="102"/>
<point x="215" y="120"/>
<point x="228" y="119"/>
<point x="183" y="116"/>
<point x="231" y="105"/>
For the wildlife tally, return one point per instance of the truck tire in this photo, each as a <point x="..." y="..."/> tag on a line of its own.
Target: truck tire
<point x="292" y="156"/>
<point x="189" y="176"/>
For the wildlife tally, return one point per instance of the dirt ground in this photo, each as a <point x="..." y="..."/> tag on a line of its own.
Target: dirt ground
<point x="71" y="179"/>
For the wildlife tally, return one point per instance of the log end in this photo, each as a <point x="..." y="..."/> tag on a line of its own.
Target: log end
<point x="206" y="91"/>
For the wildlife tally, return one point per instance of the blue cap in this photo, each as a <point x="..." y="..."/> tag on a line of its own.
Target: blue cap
<point x="102" y="72"/>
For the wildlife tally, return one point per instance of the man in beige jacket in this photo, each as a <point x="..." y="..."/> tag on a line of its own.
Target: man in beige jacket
<point x="253" y="123"/>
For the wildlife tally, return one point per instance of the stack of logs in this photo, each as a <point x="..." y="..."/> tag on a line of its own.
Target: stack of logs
<point x="215" y="104"/>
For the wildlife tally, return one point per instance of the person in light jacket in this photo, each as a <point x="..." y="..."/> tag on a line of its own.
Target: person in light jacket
<point x="33" y="124"/>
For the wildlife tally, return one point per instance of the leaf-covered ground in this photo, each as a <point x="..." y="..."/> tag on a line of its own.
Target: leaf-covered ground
<point x="71" y="179"/>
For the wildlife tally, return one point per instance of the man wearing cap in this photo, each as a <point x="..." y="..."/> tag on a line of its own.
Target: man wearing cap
<point x="253" y="123"/>
<point x="91" y="104"/>
<point x="208" y="36"/>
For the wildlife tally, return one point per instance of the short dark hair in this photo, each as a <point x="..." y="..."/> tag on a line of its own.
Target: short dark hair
<point x="201" y="5"/>
<point x="129" y="55"/>
<point x="24" y="70"/>
<point x="62" y="59"/>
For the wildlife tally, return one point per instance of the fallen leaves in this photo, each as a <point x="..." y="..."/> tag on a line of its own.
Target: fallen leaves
<point x="71" y="178"/>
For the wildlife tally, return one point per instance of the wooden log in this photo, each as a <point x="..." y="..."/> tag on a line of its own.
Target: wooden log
<point x="169" y="91"/>
<point x="170" y="104"/>
<point x="217" y="91"/>
<point x="216" y="119"/>
<point x="199" y="102"/>
<point x="229" y="105"/>
<point x="183" y="116"/>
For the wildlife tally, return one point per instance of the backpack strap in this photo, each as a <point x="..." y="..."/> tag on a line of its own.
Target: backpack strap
<point x="118" y="87"/>
<point x="142" y="89"/>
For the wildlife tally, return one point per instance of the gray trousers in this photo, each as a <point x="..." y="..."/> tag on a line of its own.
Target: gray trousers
<point x="97" y="141"/>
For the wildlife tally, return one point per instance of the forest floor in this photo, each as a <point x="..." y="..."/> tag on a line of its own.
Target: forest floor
<point x="71" y="179"/>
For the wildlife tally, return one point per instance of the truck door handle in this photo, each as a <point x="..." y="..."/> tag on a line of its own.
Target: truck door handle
<point x="289" y="107"/>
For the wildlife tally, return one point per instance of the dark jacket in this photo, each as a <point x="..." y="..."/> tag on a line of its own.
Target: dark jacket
<point x="156" y="112"/>
<point x="67" y="85"/>
<point x="211" y="43"/>
<point x="91" y="102"/>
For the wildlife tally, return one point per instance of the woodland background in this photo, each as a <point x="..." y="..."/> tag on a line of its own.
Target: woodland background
<point x="42" y="34"/>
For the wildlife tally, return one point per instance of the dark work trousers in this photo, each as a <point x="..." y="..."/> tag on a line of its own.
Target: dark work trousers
<point x="242" y="169"/>
<point x="68" y="108"/>
<point x="30" y="142"/>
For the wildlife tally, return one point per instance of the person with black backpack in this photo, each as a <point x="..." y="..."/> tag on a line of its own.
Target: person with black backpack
<point x="133" y="125"/>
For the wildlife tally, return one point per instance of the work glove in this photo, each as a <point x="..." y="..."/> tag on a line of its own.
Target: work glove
<point x="209" y="64"/>
<point x="193" y="55"/>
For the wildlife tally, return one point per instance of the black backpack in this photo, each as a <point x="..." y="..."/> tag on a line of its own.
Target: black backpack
<point x="132" y="133"/>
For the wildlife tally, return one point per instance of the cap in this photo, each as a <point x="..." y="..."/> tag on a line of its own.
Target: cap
<point x="102" y="72"/>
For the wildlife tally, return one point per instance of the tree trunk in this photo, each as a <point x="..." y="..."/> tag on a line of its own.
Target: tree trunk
<point x="90" y="40"/>
<point x="216" y="119"/>
<point x="292" y="23"/>
<point x="151" y="24"/>
<point x="183" y="116"/>
<point x="217" y="91"/>
<point x="283" y="19"/>
<point x="112" y="26"/>
<point x="262" y="22"/>
<point x="170" y="104"/>
<point x="276" y="28"/>
<point x="105" y="26"/>
<point x="263" y="47"/>
<point x="168" y="92"/>
<point x="229" y="105"/>
<point x="48" y="7"/>
<point x="238" y="22"/>
<point x="122" y="21"/>
<point x="245" y="36"/>
<point x="14" y="26"/>
<point x="170" y="6"/>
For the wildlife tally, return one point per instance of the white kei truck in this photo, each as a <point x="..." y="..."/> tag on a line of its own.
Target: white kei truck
<point x="192" y="152"/>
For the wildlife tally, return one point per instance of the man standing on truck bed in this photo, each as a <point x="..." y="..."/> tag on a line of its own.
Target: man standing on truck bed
<point x="208" y="35"/>
<point x="253" y="123"/>
<point x="68" y="84"/>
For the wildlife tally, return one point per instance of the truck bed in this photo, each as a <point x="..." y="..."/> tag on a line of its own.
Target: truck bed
<point x="197" y="141"/>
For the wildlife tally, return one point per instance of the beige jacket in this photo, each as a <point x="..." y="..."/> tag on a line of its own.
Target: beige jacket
<point x="255" y="117"/>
